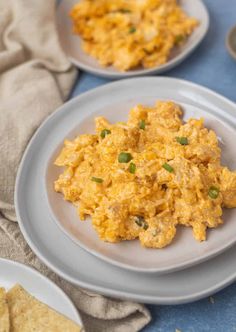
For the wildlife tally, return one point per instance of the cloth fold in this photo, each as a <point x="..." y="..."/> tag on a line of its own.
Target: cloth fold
<point x="36" y="78"/>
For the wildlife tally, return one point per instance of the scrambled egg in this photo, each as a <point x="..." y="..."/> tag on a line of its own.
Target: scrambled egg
<point x="142" y="178"/>
<point x="131" y="33"/>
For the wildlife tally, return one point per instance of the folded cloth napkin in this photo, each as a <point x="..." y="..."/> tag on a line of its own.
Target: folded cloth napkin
<point x="35" y="78"/>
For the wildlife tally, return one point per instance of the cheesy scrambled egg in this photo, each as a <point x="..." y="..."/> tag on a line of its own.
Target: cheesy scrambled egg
<point x="142" y="178"/>
<point x="131" y="33"/>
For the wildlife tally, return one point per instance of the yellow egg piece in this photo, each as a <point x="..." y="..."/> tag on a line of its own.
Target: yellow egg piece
<point x="144" y="177"/>
<point x="131" y="34"/>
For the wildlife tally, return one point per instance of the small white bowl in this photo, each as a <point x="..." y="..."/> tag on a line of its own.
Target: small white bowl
<point x="231" y="42"/>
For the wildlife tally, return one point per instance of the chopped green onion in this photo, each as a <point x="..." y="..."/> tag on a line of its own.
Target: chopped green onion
<point x="182" y="140"/>
<point x="98" y="180"/>
<point x="142" y="124"/>
<point x="145" y="226"/>
<point x="213" y="192"/>
<point x="140" y="221"/>
<point x="125" y="10"/>
<point x="104" y="133"/>
<point x="132" y="168"/>
<point x="179" y="39"/>
<point x="168" y="168"/>
<point x="124" y="157"/>
<point x="132" y="30"/>
<point x="146" y="51"/>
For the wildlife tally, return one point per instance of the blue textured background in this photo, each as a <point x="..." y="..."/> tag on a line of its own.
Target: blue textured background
<point x="211" y="66"/>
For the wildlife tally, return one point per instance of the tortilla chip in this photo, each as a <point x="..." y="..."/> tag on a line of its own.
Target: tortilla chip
<point x="27" y="314"/>
<point x="4" y="313"/>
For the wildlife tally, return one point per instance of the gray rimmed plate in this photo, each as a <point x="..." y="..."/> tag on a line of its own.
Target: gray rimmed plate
<point x="64" y="256"/>
<point x="72" y="43"/>
<point x="114" y="101"/>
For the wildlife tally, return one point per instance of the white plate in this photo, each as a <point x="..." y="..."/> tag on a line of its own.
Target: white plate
<point x="114" y="102"/>
<point x="37" y="285"/>
<point x="67" y="258"/>
<point x="72" y="43"/>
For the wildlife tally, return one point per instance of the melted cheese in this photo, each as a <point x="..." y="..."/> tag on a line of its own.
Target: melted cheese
<point x="128" y="34"/>
<point x="151" y="201"/>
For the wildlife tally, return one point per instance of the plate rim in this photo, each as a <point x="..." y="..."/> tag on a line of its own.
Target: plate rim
<point x="102" y="289"/>
<point x="102" y="72"/>
<point x="45" y="279"/>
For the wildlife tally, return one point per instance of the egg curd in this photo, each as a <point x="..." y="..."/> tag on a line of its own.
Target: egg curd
<point x="131" y="33"/>
<point x="142" y="178"/>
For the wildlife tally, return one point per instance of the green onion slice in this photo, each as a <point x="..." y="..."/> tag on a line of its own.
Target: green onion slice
<point x="182" y="140"/>
<point x="142" y="124"/>
<point x="146" y="51"/>
<point x="168" y="168"/>
<point x="125" y="10"/>
<point x="132" y="168"/>
<point x="141" y="222"/>
<point x="124" y="157"/>
<point x="179" y="39"/>
<point x="104" y="133"/>
<point x="213" y="192"/>
<point x="98" y="180"/>
<point x="132" y="30"/>
<point x="145" y="226"/>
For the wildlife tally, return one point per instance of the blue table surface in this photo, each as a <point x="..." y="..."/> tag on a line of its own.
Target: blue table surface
<point x="211" y="66"/>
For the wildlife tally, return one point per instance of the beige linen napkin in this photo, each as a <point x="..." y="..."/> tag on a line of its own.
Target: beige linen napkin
<point x="35" y="78"/>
